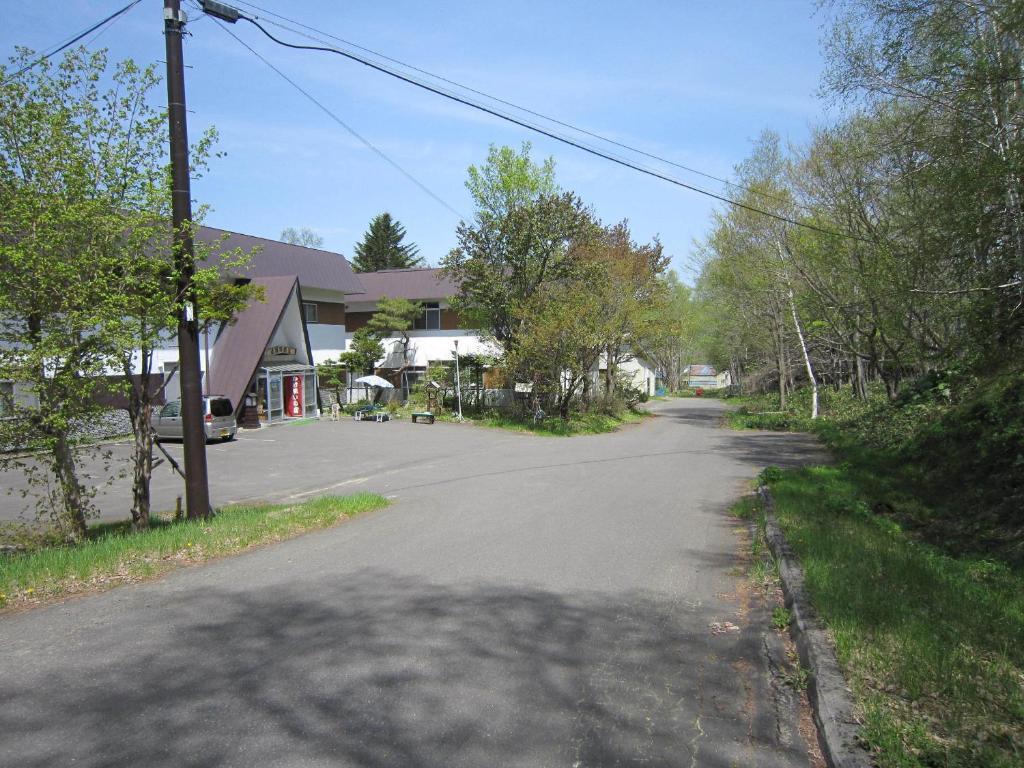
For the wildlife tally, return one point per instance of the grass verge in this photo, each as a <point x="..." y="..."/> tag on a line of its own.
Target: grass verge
<point x="945" y="459"/>
<point x="113" y="555"/>
<point x="931" y="643"/>
<point x="913" y="546"/>
<point x="551" y="426"/>
<point x="577" y="424"/>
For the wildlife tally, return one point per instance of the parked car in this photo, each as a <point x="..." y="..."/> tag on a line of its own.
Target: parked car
<point x="218" y="419"/>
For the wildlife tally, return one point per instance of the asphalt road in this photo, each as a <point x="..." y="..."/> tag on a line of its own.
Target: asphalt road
<point x="525" y="601"/>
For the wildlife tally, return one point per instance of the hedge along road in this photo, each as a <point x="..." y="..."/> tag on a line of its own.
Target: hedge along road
<point x="526" y="601"/>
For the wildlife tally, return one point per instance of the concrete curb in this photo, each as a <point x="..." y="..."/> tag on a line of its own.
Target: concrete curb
<point x="830" y="699"/>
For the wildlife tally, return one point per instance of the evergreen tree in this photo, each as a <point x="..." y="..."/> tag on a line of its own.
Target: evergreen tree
<point x="382" y="247"/>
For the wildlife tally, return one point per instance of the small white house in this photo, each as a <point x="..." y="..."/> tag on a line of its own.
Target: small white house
<point x="703" y="376"/>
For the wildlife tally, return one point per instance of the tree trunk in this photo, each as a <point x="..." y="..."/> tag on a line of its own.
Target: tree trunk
<point x="140" y="411"/>
<point x="779" y="353"/>
<point x="71" y="490"/>
<point x="892" y="384"/>
<point x="609" y="373"/>
<point x="807" y="357"/>
<point x="568" y="390"/>
<point x="780" y="366"/>
<point x="142" y="463"/>
<point x="860" y="378"/>
<point x="563" y="406"/>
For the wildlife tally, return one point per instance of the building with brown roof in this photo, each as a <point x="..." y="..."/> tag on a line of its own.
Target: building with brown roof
<point x="273" y="345"/>
<point x="314" y="302"/>
<point x="434" y="335"/>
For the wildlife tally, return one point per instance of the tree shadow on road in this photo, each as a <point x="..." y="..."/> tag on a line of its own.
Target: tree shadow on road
<point x="788" y="450"/>
<point x="384" y="671"/>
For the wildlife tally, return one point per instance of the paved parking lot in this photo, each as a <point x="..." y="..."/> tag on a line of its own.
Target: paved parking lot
<point x="525" y="601"/>
<point x="298" y="460"/>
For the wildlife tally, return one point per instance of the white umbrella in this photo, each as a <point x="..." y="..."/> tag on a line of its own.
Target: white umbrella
<point x="375" y="381"/>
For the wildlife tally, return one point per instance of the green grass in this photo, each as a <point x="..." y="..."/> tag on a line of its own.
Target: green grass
<point x="945" y="460"/>
<point x="552" y="426"/>
<point x="113" y="555"/>
<point x="913" y="545"/>
<point x="931" y="643"/>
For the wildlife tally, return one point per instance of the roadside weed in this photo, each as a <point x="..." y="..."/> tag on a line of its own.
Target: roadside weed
<point x="781" y="617"/>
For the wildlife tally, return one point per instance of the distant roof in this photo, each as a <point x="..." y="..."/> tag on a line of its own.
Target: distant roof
<point x="702" y="370"/>
<point x="406" y="284"/>
<point x="240" y="346"/>
<point x="314" y="268"/>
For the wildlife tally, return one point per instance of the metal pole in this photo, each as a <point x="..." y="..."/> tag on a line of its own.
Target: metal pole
<point x="197" y="492"/>
<point x="206" y="354"/>
<point x="458" y="381"/>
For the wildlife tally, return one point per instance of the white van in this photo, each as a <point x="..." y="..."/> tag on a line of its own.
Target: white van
<point x="218" y="419"/>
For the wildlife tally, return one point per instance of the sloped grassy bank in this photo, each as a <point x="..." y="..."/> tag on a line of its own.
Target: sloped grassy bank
<point x="945" y="461"/>
<point x="911" y="543"/>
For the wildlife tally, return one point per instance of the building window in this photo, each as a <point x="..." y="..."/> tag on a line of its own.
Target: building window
<point x="6" y="399"/>
<point x="430" y="320"/>
<point x="309" y="312"/>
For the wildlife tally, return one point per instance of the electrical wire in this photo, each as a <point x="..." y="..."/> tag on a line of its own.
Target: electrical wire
<point x="343" y="124"/>
<point x="110" y="25"/>
<point x="526" y="110"/>
<point x="551" y="134"/>
<point x="76" y="38"/>
<point x="421" y="82"/>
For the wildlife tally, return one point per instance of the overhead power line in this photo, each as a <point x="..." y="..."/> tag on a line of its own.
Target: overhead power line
<point x="498" y="100"/>
<point x="343" y="124"/>
<point x="76" y="38"/>
<point x="551" y="134"/>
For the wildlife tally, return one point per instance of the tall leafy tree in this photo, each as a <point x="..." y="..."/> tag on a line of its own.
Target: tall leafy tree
<point x="669" y="338"/>
<point x="501" y="262"/>
<point x="382" y="247"/>
<point x="525" y="233"/>
<point x="561" y="339"/>
<point x="952" y="70"/>
<point x="630" y="288"/>
<point x="87" y="280"/>
<point x="149" y="312"/>
<point x="73" y="199"/>
<point x="509" y="180"/>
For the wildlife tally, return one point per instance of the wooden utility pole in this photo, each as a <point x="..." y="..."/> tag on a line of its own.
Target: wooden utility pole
<point x="197" y="491"/>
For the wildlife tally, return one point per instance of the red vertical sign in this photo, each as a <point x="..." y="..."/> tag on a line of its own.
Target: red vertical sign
<point x="293" y="395"/>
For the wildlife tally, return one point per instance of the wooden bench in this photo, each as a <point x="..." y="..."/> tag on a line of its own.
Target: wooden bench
<point x="426" y="416"/>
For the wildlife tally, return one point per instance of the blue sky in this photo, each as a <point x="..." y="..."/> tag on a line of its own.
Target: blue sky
<point x="694" y="81"/>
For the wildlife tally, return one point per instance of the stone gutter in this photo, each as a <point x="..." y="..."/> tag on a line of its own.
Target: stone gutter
<point x="829" y="695"/>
